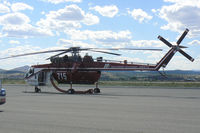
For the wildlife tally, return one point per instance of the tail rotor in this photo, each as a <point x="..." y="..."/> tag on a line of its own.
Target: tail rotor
<point x="178" y="47"/>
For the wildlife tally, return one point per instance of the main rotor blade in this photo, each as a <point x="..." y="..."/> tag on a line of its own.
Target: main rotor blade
<point x="149" y="49"/>
<point x="105" y="52"/>
<point x="131" y="49"/>
<point x="165" y="41"/>
<point x="58" y="54"/>
<point x="48" y="51"/>
<point x="186" y="55"/>
<point x="85" y="49"/>
<point x="182" y="36"/>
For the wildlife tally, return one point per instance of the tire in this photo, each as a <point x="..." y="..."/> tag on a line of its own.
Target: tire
<point x="71" y="91"/>
<point x="37" y="90"/>
<point x="97" y="90"/>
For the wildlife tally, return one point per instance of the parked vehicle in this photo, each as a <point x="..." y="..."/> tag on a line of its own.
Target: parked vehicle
<point x="2" y="96"/>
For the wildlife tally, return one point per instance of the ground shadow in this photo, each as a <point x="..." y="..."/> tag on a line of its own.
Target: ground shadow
<point x="32" y="92"/>
<point x="56" y="93"/>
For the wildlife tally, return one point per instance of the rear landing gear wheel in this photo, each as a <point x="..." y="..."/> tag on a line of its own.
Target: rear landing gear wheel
<point x="97" y="90"/>
<point x="71" y="91"/>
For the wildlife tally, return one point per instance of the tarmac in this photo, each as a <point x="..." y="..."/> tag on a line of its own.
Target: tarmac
<point x="116" y="110"/>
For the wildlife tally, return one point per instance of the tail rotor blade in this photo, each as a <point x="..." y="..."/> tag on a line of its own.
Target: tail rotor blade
<point x="186" y="55"/>
<point x="182" y="36"/>
<point x="165" y="41"/>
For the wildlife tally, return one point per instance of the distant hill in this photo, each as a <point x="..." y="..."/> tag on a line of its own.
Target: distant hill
<point x="2" y="70"/>
<point x="21" y="69"/>
<point x="172" y="75"/>
<point x="16" y="73"/>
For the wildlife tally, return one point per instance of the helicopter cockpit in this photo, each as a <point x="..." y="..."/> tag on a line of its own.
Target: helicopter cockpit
<point x="29" y="72"/>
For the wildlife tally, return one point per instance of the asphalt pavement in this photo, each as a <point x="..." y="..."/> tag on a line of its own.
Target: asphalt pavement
<point x="115" y="110"/>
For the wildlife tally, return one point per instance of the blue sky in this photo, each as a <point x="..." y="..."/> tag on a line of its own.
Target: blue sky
<point x="36" y="25"/>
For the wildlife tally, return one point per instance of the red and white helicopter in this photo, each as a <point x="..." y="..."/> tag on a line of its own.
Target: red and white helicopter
<point x="75" y="69"/>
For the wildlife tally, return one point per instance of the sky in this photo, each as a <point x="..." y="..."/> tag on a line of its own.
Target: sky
<point x="38" y="25"/>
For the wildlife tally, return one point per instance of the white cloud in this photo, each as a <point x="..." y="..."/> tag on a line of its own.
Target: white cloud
<point x="90" y="19"/>
<point x="179" y="62"/>
<point x="18" y="50"/>
<point x="185" y="2"/>
<point x="106" y="36"/>
<point x="17" y="25"/>
<point x="14" y="42"/>
<point x="52" y="24"/>
<point x="62" y="1"/>
<point x="69" y="13"/>
<point x="194" y="42"/>
<point x="4" y="9"/>
<point x="20" y="6"/>
<point x="67" y="18"/>
<point x="20" y="61"/>
<point x="72" y="43"/>
<point x="180" y="15"/>
<point x="24" y="31"/>
<point x="107" y="11"/>
<point x="14" y="19"/>
<point x="140" y="15"/>
<point x="5" y="2"/>
<point x="147" y="43"/>
<point x="154" y="10"/>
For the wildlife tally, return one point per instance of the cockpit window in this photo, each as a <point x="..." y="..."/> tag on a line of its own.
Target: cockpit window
<point x="31" y="71"/>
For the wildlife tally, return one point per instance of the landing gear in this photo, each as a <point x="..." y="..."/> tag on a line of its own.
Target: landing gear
<point x="71" y="91"/>
<point x="97" y="90"/>
<point x="37" y="90"/>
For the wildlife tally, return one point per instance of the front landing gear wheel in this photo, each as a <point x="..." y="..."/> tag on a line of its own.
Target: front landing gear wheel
<point x="37" y="90"/>
<point x="97" y="90"/>
<point x="71" y="91"/>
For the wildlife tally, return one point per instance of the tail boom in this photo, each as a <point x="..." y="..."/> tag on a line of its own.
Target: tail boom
<point x="166" y="59"/>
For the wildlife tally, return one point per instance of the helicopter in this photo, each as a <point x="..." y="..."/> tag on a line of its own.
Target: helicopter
<point x="75" y="69"/>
